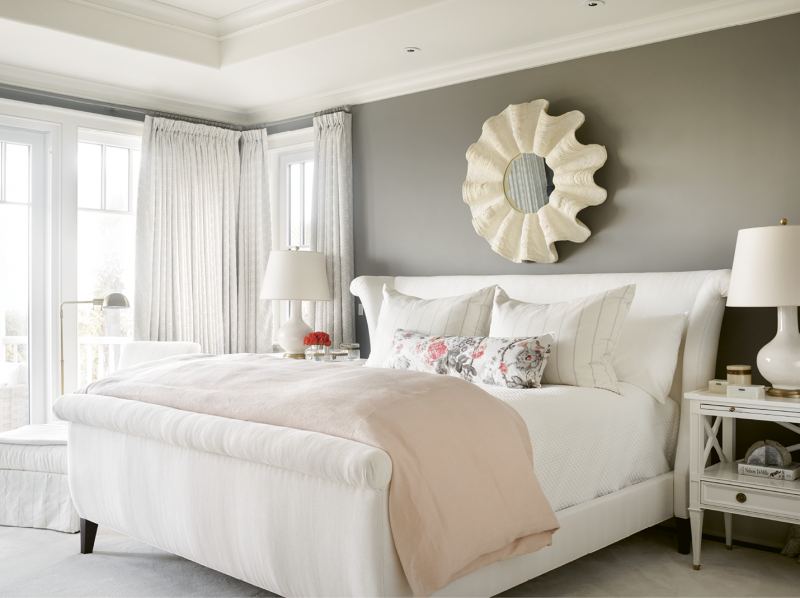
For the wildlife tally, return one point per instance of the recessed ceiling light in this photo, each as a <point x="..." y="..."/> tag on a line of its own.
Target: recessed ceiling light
<point x="411" y="49"/>
<point x="593" y="3"/>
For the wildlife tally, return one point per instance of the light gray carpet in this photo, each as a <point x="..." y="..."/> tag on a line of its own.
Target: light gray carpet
<point x="45" y="563"/>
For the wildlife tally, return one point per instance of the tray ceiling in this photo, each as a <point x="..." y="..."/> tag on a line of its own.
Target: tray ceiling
<point x="246" y="61"/>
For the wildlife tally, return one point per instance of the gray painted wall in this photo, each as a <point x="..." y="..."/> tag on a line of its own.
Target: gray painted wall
<point x="702" y="135"/>
<point x="701" y="132"/>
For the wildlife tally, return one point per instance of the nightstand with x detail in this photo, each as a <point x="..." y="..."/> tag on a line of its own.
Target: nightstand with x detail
<point x="720" y="487"/>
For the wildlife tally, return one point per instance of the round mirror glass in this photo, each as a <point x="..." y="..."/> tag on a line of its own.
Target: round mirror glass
<point x="528" y="183"/>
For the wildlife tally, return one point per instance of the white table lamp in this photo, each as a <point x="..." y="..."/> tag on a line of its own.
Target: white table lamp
<point x="766" y="273"/>
<point x="296" y="276"/>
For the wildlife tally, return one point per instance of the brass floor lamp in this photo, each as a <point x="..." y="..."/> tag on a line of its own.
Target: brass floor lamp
<point x="110" y="301"/>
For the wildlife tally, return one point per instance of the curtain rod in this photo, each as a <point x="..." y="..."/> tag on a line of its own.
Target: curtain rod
<point x="47" y="98"/>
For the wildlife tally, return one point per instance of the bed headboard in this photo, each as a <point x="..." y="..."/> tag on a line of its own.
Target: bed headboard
<point x="700" y="293"/>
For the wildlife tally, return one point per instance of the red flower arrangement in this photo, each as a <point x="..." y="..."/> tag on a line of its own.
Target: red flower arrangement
<point x="317" y="338"/>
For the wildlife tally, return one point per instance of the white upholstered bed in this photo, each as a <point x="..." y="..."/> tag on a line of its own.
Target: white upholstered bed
<point x="305" y="514"/>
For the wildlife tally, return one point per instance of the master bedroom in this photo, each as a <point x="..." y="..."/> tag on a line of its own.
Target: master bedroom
<point x="399" y="298"/>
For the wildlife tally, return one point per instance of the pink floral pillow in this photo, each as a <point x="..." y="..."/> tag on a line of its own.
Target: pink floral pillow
<point x="511" y="362"/>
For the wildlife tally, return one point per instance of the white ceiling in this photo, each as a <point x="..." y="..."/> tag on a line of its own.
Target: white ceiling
<point x="248" y="61"/>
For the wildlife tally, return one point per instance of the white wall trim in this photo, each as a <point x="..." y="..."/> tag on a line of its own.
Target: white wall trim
<point x="219" y="29"/>
<point x="722" y="14"/>
<point x="718" y="15"/>
<point x="104" y="92"/>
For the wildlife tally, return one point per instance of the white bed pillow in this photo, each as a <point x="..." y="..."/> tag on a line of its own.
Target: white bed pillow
<point x="647" y="353"/>
<point x="586" y="332"/>
<point x="464" y="315"/>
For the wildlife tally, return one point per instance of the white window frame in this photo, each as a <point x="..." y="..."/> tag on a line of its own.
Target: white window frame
<point x="121" y="140"/>
<point x="59" y="126"/>
<point x="38" y="227"/>
<point x="285" y="148"/>
<point x="118" y="140"/>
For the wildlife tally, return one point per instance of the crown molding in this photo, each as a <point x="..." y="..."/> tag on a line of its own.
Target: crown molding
<point x="219" y="29"/>
<point x="718" y="15"/>
<point x="104" y="92"/>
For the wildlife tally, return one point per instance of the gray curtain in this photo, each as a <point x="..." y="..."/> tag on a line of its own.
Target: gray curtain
<point x="332" y="223"/>
<point x="200" y="237"/>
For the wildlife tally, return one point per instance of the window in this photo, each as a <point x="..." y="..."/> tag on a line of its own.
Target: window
<point x="299" y="175"/>
<point x="291" y="163"/>
<point x="21" y="270"/>
<point x="108" y="175"/>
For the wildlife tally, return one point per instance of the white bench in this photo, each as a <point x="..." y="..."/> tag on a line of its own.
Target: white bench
<point x="33" y="478"/>
<point x="34" y="488"/>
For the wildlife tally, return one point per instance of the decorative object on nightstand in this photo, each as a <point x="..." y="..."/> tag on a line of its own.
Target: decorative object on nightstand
<point x="740" y="375"/>
<point x="769" y="459"/>
<point x="766" y="274"/>
<point x="318" y="344"/>
<point x="353" y="350"/>
<point x="722" y="486"/>
<point x="110" y="301"/>
<point x="295" y="276"/>
<point x="719" y="387"/>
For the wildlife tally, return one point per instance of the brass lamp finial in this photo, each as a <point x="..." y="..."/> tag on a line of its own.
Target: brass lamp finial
<point x="784" y="222"/>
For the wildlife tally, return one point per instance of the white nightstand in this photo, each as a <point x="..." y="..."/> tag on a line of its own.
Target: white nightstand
<point x="720" y="487"/>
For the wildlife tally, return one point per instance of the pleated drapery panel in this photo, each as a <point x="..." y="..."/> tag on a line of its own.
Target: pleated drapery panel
<point x="186" y="237"/>
<point x="254" y="243"/>
<point x="332" y="223"/>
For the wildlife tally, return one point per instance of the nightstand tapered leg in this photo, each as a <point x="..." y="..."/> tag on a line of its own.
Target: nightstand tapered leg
<point x="728" y="530"/>
<point x="696" y="516"/>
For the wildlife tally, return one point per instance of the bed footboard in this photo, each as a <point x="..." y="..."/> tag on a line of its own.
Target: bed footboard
<point x="279" y="527"/>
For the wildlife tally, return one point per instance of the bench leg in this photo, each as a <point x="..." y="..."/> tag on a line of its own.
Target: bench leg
<point x="88" y="534"/>
<point x="684" y="528"/>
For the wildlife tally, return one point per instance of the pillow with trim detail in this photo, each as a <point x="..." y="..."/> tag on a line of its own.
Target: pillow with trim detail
<point x="462" y="315"/>
<point x="585" y="329"/>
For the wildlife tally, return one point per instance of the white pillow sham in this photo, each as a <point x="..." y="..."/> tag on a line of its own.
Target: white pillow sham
<point x="586" y="332"/>
<point x="463" y="315"/>
<point x="647" y="353"/>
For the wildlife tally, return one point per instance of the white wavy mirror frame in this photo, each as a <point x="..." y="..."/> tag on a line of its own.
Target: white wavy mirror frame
<point x="530" y="236"/>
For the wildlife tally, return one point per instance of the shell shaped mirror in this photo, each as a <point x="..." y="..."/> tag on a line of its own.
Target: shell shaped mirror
<point x="527" y="178"/>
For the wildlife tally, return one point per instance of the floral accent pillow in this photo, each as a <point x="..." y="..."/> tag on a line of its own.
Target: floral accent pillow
<point x="511" y="362"/>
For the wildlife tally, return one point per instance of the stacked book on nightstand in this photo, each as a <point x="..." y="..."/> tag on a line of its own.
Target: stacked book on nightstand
<point x="776" y="472"/>
<point x="769" y="459"/>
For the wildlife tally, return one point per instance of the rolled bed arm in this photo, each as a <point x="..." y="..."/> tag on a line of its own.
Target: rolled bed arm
<point x="315" y="454"/>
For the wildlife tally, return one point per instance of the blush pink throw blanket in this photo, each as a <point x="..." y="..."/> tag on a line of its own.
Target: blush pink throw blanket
<point x="463" y="492"/>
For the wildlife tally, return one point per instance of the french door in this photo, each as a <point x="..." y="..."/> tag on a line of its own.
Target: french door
<point x="23" y="274"/>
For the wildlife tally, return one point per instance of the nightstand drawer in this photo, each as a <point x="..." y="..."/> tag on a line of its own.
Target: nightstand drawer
<point x="746" y="499"/>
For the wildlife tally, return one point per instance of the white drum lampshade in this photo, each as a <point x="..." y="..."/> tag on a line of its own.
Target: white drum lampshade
<point x="766" y="273"/>
<point x="295" y="276"/>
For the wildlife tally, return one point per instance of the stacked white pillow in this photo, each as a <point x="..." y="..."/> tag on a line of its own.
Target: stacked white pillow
<point x="586" y="332"/>
<point x="596" y="344"/>
<point x="464" y="315"/>
<point x="647" y="352"/>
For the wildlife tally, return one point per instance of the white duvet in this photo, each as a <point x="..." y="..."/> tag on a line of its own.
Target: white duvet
<point x="588" y="442"/>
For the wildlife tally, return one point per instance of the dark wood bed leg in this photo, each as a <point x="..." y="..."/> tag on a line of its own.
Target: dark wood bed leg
<point x="684" y="535"/>
<point x="88" y="534"/>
